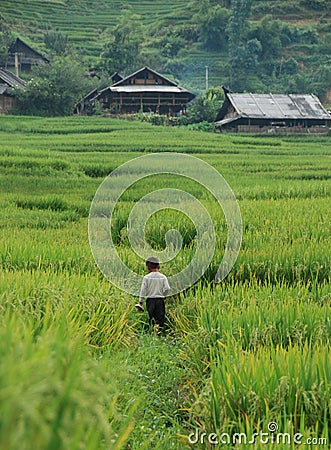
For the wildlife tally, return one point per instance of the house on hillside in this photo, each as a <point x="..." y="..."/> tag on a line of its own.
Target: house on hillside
<point x="257" y="113"/>
<point x="85" y="105"/>
<point x="144" y="90"/>
<point x="7" y="81"/>
<point x="23" y="57"/>
<point x="116" y="77"/>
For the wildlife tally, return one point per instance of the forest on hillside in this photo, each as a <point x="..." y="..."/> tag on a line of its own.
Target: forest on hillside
<point x="247" y="45"/>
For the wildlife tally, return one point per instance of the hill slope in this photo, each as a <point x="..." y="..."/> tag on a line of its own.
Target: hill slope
<point x="89" y="24"/>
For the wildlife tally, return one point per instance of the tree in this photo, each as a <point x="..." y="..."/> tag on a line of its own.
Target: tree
<point x="270" y="33"/>
<point x="6" y="39"/>
<point x="206" y="106"/>
<point x="247" y="59"/>
<point x="237" y="28"/>
<point x="290" y="66"/>
<point x="54" y="89"/>
<point x="321" y="80"/>
<point x="170" y="45"/>
<point x="122" y="52"/>
<point x="56" y="41"/>
<point x="212" y="21"/>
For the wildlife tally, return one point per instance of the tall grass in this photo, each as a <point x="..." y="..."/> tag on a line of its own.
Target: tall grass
<point x="53" y="396"/>
<point x="79" y="369"/>
<point x="272" y="384"/>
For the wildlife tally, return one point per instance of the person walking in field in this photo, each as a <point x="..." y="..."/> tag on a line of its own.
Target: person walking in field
<point x="154" y="288"/>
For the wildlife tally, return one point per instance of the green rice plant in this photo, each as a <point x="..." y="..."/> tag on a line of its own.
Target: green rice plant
<point x="286" y="386"/>
<point x="90" y="305"/>
<point x="22" y="249"/>
<point x="13" y="163"/>
<point x="108" y="326"/>
<point x="256" y="436"/>
<point x="163" y="221"/>
<point x="53" y="203"/>
<point x="252" y="315"/>
<point x="236" y="355"/>
<point x="37" y="219"/>
<point x="99" y="134"/>
<point x="97" y="171"/>
<point x="53" y="395"/>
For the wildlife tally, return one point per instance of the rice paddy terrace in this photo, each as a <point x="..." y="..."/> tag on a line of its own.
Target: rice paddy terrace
<point x="79" y="368"/>
<point x="85" y="22"/>
<point x="88" y="24"/>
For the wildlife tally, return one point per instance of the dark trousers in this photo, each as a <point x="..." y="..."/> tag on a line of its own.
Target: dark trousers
<point x="156" y="310"/>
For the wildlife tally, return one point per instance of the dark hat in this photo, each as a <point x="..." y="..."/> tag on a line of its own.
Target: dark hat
<point x="153" y="259"/>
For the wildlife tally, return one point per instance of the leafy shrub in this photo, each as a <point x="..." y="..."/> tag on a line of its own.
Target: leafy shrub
<point x="291" y="66"/>
<point x="317" y="5"/>
<point x="153" y="118"/>
<point x="202" y="126"/>
<point x="54" y="89"/>
<point x="206" y="106"/>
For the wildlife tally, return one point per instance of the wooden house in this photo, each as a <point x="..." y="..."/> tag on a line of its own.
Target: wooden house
<point x="7" y="81"/>
<point x="281" y="113"/>
<point x="23" y="57"/>
<point x="116" y="77"/>
<point x="85" y="105"/>
<point x="147" y="91"/>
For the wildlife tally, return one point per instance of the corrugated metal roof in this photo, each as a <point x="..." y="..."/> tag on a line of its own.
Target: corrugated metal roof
<point x="225" y="121"/>
<point x="10" y="79"/>
<point x="278" y="106"/>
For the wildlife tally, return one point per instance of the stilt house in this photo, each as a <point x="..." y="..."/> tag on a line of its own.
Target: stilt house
<point x="147" y="91"/>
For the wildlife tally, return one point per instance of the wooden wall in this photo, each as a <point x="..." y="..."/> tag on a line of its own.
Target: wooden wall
<point x="7" y="103"/>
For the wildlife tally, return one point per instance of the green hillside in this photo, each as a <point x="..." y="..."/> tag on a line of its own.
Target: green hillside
<point x="304" y="31"/>
<point x="87" y="23"/>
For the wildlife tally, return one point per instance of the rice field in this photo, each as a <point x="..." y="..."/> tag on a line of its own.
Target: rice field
<point x="250" y="355"/>
<point x="89" y="26"/>
<point x="87" y="23"/>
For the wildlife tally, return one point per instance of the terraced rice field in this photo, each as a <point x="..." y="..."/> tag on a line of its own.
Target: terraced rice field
<point x="249" y="355"/>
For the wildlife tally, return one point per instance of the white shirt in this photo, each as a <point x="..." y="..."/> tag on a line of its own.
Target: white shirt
<point x="155" y="284"/>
